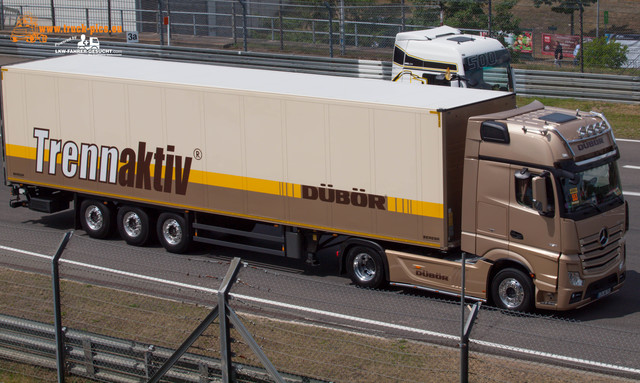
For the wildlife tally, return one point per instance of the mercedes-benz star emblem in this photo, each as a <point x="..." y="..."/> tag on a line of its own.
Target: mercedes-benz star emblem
<point x="604" y="236"/>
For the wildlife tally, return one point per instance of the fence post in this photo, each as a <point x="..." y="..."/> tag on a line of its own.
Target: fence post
<point x="281" y="27"/>
<point x="219" y="312"/>
<point x="234" y="33"/>
<point x="225" y="326"/>
<point x="244" y="22"/>
<point x="109" y="15"/>
<point x="53" y="14"/>
<point x="328" y="6"/>
<point x="342" y="37"/>
<point x="355" y="33"/>
<point x="490" y="18"/>
<point x="581" y="36"/>
<point x="55" y="280"/>
<point x="464" y="349"/>
<point x="160" y="22"/>
<point x="465" y="327"/>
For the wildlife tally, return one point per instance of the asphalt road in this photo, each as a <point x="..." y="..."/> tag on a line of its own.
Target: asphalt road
<point x="319" y="287"/>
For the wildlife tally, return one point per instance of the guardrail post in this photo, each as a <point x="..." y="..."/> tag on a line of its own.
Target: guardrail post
<point x="55" y="280"/>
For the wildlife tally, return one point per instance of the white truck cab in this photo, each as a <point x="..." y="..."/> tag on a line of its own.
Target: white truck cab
<point x="445" y="56"/>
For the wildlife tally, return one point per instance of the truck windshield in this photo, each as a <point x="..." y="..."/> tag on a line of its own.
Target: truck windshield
<point x="490" y="70"/>
<point x="593" y="190"/>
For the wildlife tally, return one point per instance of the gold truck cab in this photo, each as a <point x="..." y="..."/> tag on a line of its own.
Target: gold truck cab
<point x="543" y="207"/>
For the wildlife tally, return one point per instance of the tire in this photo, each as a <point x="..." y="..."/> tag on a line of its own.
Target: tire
<point x="511" y="289"/>
<point x="365" y="267"/>
<point x="134" y="225"/>
<point x="173" y="232"/>
<point x="95" y="218"/>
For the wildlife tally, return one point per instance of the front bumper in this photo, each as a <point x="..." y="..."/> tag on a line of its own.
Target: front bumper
<point x="594" y="287"/>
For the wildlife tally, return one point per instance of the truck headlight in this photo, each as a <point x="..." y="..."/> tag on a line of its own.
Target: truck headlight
<point x="574" y="279"/>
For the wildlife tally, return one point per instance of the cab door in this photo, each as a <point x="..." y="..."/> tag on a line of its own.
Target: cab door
<point x="534" y="237"/>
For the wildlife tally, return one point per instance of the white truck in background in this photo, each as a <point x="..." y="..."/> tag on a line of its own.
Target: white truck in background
<point x="445" y="56"/>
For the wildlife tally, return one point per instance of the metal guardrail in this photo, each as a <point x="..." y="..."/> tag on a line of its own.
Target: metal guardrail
<point x="612" y="88"/>
<point x="591" y="86"/>
<point x="111" y="359"/>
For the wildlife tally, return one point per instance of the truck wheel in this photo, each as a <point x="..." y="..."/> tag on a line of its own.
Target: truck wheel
<point x="133" y="225"/>
<point x="512" y="289"/>
<point x="95" y="218"/>
<point x="173" y="232"/>
<point x="365" y="267"/>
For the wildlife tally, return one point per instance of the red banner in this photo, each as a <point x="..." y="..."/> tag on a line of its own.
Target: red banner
<point x="567" y="42"/>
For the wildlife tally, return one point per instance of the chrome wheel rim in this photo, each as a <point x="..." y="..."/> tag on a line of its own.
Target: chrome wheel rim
<point x="511" y="293"/>
<point x="364" y="267"/>
<point x="172" y="231"/>
<point x="132" y="224"/>
<point x="93" y="217"/>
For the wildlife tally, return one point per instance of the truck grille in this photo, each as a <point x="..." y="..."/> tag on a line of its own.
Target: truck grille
<point x="596" y="258"/>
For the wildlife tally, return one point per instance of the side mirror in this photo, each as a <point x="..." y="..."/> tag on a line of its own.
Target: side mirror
<point x="540" y="198"/>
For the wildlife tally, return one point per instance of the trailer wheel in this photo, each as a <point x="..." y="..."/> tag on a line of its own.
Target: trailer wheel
<point x="365" y="267"/>
<point x="173" y="232"/>
<point x="95" y="218"/>
<point x="134" y="225"/>
<point x="512" y="289"/>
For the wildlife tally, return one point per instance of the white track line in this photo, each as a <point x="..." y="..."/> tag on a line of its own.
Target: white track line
<point x="340" y="316"/>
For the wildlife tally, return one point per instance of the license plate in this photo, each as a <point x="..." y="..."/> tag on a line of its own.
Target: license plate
<point x="603" y="293"/>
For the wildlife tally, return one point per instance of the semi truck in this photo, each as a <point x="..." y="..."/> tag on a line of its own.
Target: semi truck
<point x="404" y="182"/>
<point x="444" y="56"/>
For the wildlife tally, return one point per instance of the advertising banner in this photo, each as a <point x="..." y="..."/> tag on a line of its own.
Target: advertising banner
<point x="522" y="42"/>
<point x="567" y="42"/>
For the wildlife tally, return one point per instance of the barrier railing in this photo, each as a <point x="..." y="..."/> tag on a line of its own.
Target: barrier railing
<point x="613" y="88"/>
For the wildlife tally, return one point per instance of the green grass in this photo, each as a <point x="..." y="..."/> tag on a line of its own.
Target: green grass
<point x="332" y="354"/>
<point x="625" y="118"/>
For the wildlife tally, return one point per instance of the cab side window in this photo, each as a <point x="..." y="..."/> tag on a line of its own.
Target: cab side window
<point x="524" y="192"/>
<point x="524" y="189"/>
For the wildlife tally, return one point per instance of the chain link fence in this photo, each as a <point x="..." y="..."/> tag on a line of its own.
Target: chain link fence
<point x="360" y="29"/>
<point x="125" y="310"/>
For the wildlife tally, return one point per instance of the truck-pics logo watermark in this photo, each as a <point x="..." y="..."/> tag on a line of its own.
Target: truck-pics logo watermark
<point x="86" y="45"/>
<point x="92" y="163"/>
<point x="27" y="29"/>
